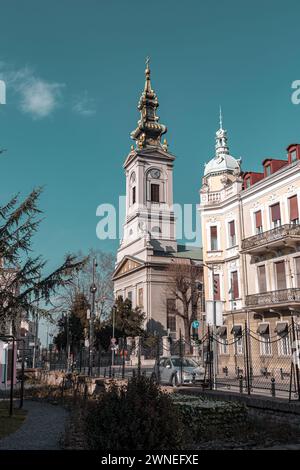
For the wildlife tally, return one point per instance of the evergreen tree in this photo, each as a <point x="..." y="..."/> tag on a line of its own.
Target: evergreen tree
<point x="76" y="323"/>
<point x="128" y="320"/>
<point x="23" y="286"/>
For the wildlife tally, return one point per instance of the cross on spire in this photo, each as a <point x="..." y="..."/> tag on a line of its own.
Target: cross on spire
<point x="221" y="118"/>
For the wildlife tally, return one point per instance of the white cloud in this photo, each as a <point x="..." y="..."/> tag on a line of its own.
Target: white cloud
<point x="84" y="105"/>
<point x="38" y="97"/>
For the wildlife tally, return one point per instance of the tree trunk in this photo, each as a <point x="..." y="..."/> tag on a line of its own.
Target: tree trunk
<point x="187" y="336"/>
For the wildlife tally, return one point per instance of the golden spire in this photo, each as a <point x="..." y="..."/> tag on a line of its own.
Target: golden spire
<point x="148" y="131"/>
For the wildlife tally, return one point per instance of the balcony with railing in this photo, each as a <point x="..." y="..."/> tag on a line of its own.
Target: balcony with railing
<point x="277" y="298"/>
<point x="283" y="235"/>
<point x="216" y="197"/>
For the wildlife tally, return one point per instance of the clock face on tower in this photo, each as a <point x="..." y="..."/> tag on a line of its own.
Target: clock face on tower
<point x="155" y="173"/>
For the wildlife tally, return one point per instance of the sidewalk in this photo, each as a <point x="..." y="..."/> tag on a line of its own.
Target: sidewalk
<point x="41" y="430"/>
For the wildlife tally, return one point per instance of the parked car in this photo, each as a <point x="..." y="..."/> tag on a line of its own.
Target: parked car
<point x="169" y="371"/>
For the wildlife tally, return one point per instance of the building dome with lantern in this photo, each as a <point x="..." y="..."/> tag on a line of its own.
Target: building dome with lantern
<point x="222" y="162"/>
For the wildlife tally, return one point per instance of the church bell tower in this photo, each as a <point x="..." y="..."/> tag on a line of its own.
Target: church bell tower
<point x="149" y="221"/>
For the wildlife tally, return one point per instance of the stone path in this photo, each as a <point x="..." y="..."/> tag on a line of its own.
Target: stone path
<point x="41" y="429"/>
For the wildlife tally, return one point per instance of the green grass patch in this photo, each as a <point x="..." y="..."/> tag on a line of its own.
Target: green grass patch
<point x="9" y="424"/>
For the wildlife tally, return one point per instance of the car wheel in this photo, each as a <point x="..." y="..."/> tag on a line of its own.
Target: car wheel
<point x="174" y="381"/>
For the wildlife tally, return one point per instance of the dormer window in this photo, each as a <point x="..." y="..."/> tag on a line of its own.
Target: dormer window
<point x="293" y="155"/>
<point x="247" y="182"/>
<point x="267" y="170"/>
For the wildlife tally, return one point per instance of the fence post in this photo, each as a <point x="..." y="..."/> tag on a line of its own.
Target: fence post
<point x="241" y="383"/>
<point x="247" y="360"/>
<point x="12" y="376"/>
<point x="22" y="377"/>
<point x="99" y="362"/>
<point x="296" y="353"/>
<point x="273" y="392"/>
<point x="181" y="355"/>
<point x="209" y="359"/>
<point x="157" y="359"/>
<point x="123" y="361"/>
<point x="139" y="356"/>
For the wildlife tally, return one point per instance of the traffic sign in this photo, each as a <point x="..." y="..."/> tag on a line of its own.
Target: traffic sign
<point x="195" y="324"/>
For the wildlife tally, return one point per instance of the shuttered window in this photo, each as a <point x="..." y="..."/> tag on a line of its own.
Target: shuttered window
<point x="275" y="214"/>
<point x="258" y="222"/>
<point x="154" y="192"/>
<point x="294" y="213"/>
<point x="297" y="271"/>
<point x="280" y="275"/>
<point x="262" y="282"/>
<point x="234" y="285"/>
<point x="213" y="238"/>
<point x="232" y="236"/>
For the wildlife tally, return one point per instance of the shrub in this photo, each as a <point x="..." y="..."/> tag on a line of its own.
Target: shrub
<point x="137" y="417"/>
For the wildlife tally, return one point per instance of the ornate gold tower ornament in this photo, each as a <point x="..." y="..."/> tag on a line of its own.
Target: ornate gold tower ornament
<point x="149" y="130"/>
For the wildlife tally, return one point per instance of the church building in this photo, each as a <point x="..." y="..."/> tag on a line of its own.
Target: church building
<point x="149" y="239"/>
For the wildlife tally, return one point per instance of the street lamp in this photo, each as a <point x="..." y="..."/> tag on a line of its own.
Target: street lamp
<point x="214" y="348"/>
<point x="68" y="346"/>
<point x="93" y="290"/>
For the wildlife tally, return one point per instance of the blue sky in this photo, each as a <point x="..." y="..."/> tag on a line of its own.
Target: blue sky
<point x="75" y="71"/>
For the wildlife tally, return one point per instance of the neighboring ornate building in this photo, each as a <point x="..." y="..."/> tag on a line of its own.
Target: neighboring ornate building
<point x="251" y="246"/>
<point x="149" y="241"/>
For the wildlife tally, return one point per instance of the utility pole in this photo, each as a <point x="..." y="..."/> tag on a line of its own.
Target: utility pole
<point x="93" y="290"/>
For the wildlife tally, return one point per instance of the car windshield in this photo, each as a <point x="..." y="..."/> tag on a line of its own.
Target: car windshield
<point x="186" y="362"/>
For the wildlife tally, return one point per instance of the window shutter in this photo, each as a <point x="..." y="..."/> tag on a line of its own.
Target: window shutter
<point x="294" y="214"/>
<point x="280" y="274"/>
<point x="258" y="219"/>
<point x="232" y="228"/>
<point x="297" y="265"/>
<point x="275" y="212"/>
<point x="235" y="285"/>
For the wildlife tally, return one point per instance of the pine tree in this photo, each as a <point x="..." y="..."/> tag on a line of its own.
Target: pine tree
<point x="23" y="286"/>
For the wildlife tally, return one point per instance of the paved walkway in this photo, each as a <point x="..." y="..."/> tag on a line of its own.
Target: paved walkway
<point x="41" y="429"/>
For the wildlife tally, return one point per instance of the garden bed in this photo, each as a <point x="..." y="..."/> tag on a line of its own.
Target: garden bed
<point x="10" y="424"/>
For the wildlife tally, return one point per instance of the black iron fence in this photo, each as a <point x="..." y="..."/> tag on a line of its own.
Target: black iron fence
<point x="251" y="362"/>
<point x="254" y="362"/>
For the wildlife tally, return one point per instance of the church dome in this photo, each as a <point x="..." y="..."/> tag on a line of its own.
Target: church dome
<point x="222" y="161"/>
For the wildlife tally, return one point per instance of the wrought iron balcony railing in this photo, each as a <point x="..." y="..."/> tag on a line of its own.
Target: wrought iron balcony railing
<point x="282" y="296"/>
<point x="270" y="236"/>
